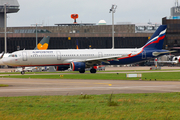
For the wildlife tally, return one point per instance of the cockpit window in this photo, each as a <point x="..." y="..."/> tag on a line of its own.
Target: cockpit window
<point x="13" y="55"/>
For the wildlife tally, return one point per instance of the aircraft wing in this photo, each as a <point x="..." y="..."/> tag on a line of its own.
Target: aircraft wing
<point x="92" y="61"/>
<point x="105" y="59"/>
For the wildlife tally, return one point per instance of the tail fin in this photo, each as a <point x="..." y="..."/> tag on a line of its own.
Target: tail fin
<point x="43" y="45"/>
<point x="157" y="39"/>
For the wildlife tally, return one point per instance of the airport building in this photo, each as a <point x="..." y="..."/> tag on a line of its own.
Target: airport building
<point x="66" y="36"/>
<point x="173" y="29"/>
<point x="90" y="35"/>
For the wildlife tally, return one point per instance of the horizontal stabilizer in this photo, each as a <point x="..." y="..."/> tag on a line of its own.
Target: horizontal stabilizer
<point x="158" y="53"/>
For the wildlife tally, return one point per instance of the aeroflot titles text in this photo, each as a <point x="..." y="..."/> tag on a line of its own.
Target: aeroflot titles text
<point x="42" y="51"/>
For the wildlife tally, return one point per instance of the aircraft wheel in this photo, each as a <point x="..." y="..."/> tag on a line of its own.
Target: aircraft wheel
<point x="93" y="70"/>
<point x="82" y="71"/>
<point x="22" y="72"/>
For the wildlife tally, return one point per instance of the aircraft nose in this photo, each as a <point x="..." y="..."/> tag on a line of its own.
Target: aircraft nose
<point x="6" y="61"/>
<point x="1" y="62"/>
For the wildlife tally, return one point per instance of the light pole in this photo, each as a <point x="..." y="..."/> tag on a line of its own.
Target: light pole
<point x="113" y="10"/>
<point x="5" y="24"/>
<point x="36" y="32"/>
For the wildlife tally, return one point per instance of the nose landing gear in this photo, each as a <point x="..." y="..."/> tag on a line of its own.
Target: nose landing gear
<point x="23" y="72"/>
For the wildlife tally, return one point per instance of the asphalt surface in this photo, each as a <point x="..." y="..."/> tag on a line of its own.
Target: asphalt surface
<point x="33" y="87"/>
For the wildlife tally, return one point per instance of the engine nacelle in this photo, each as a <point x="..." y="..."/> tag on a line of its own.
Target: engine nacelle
<point x="77" y="66"/>
<point x="176" y="59"/>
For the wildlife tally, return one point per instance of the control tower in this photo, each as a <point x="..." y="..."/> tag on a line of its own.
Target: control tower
<point x="175" y="11"/>
<point x="12" y="6"/>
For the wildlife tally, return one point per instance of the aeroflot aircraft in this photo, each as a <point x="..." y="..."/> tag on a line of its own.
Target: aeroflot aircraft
<point x="79" y="59"/>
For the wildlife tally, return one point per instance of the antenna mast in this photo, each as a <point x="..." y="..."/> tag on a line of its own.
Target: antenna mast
<point x="176" y="3"/>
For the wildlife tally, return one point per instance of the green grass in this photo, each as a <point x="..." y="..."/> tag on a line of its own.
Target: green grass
<point x="153" y="106"/>
<point x="3" y="85"/>
<point x="87" y="71"/>
<point x="38" y="72"/>
<point x="160" y="76"/>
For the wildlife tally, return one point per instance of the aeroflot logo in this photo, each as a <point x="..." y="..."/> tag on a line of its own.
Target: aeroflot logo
<point x="42" y="47"/>
<point x="42" y="51"/>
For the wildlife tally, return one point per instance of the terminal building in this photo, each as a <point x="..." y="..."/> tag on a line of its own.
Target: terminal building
<point x="66" y="36"/>
<point x="173" y="29"/>
<point x="91" y="35"/>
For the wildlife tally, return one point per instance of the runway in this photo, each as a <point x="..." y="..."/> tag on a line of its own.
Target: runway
<point x="34" y="87"/>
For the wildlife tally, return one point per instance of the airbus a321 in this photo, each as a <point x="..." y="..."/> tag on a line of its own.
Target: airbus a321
<point x="80" y="59"/>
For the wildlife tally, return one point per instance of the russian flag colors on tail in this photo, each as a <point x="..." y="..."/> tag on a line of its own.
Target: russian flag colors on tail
<point x="157" y="39"/>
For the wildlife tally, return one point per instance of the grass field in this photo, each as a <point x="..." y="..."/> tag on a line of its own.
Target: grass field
<point x="154" y="106"/>
<point x="151" y="106"/>
<point x="3" y="85"/>
<point x="160" y="76"/>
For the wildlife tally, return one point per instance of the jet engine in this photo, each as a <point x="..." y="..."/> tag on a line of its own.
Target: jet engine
<point x="78" y="66"/>
<point x="176" y="59"/>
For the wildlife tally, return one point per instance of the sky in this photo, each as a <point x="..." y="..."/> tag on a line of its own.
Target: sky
<point x="50" y="12"/>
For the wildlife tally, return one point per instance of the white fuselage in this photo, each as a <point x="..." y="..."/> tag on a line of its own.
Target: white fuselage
<point x="61" y="57"/>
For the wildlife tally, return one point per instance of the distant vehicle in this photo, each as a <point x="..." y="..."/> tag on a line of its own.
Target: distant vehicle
<point x="26" y="69"/>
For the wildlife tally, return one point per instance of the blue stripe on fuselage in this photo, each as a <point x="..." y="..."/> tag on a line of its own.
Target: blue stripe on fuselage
<point x="137" y="58"/>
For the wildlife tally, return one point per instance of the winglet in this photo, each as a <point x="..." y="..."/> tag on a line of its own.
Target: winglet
<point x="2" y="55"/>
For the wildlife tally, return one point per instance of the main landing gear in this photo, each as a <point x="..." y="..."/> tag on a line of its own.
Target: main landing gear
<point x="92" y="70"/>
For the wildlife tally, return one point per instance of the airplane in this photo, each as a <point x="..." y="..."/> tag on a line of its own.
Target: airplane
<point x="176" y="59"/>
<point x="79" y="60"/>
<point x="42" y="45"/>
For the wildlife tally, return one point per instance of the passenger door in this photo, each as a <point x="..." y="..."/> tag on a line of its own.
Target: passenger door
<point x="143" y="54"/>
<point x="100" y="54"/>
<point x="24" y="54"/>
<point x="58" y="55"/>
